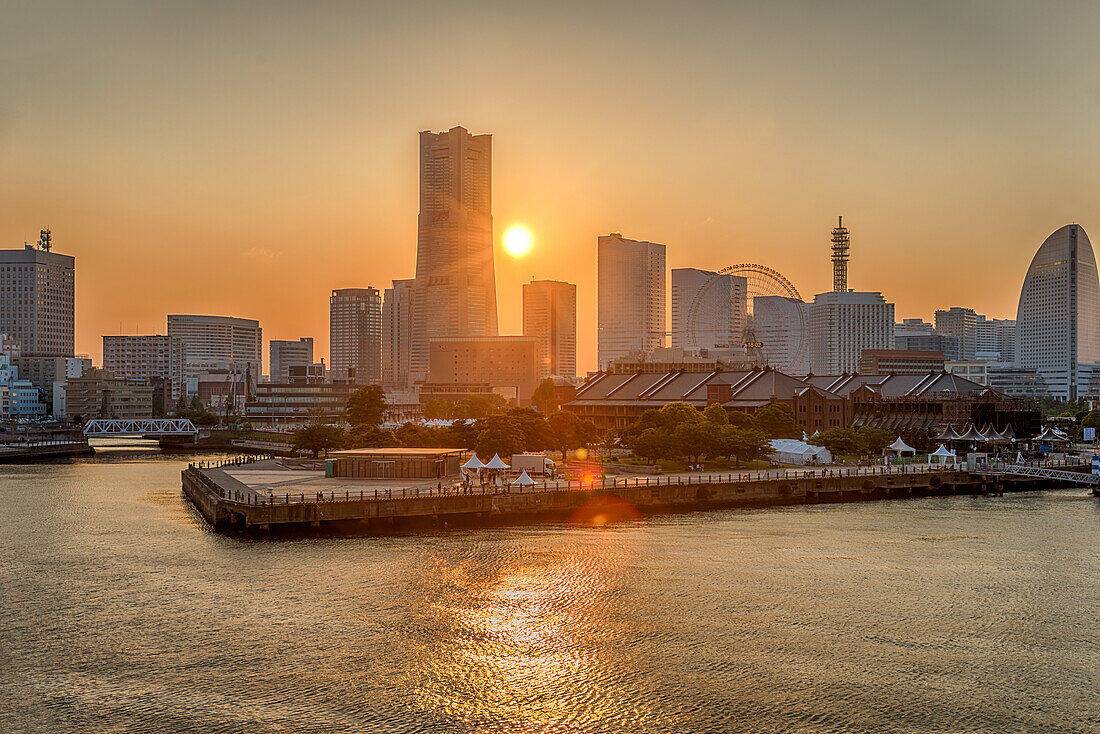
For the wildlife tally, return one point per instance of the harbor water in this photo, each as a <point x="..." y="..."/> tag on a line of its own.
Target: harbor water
<point x="122" y="611"/>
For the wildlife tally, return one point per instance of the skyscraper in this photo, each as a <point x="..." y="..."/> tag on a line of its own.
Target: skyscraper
<point x="1058" y="317"/>
<point x="355" y="334"/>
<point x="37" y="289"/>
<point x="780" y="324"/>
<point x="550" y="315"/>
<point x="285" y="352"/>
<point x="842" y="325"/>
<point x="630" y="298"/>
<point x="708" y="308"/>
<point x="218" y="342"/>
<point x="397" y="312"/>
<point x="961" y="323"/>
<point x="455" y="294"/>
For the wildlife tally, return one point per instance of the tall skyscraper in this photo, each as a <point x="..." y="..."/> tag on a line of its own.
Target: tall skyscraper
<point x="780" y="324"/>
<point x="397" y="315"/>
<point x="630" y="298"/>
<point x="355" y="334"/>
<point x="961" y="323"/>
<point x="1058" y="317"/>
<point x="455" y="294"/>
<point x="285" y="352"/>
<point x="842" y="325"/>
<point x="550" y="316"/>
<point x="218" y="342"/>
<point x="708" y="309"/>
<point x="153" y="357"/>
<point x="37" y="289"/>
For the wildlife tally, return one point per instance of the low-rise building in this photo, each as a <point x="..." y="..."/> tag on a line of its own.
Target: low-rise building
<point x="975" y="370"/>
<point x="899" y="362"/>
<point x="298" y="403"/>
<point x="508" y="364"/>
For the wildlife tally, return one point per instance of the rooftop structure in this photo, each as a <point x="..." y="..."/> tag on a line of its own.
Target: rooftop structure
<point x="841" y="244"/>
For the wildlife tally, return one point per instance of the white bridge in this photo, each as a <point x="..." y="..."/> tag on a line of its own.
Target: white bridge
<point x="1046" y="472"/>
<point x="140" y="427"/>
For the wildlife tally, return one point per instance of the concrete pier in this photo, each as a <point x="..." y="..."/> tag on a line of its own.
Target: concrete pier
<point x="277" y="494"/>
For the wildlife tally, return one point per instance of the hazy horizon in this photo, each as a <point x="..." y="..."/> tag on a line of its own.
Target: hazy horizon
<point x="245" y="159"/>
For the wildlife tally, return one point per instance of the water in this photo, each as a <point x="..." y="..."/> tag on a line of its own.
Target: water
<point x="121" y="612"/>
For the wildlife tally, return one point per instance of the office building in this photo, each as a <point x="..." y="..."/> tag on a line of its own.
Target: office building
<point x="218" y="343"/>
<point x="931" y="342"/>
<point x="355" y="334"/>
<point x="900" y="362"/>
<point x="157" y="358"/>
<point x="284" y="353"/>
<point x="298" y="402"/>
<point x="961" y="323"/>
<point x="842" y="325"/>
<point x="550" y="316"/>
<point x="455" y="294"/>
<point x="100" y="394"/>
<point x="397" y="316"/>
<point x="996" y="340"/>
<point x="506" y="364"/>
<point x="1058" y="317"/>
<point x="630" y="298"/>
<point x="782" y="325"/>
<point x="708" y="308"/>
<point x="37" y="289"/>
<point x="975" y="370"/>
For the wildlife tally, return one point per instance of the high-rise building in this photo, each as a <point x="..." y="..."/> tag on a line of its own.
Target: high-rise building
<point x="355" y="334"/>
<point x="153" y="357"/>
<point x="550" y="316"/>
<point x="961" y="323"/>
<point x="218" y="342"/>
<point x="1058" y="317"/>
<point x="397" y="316"/>
<point x="996" y="340"/>
<point x="781" y="325"/>
<point x="708" y="308"/>
<point x="503" y="364"/>
<point x="285" y="352"/>
<point x="37" y="289"/>
<point x="631" y="297"/>
<point x="842" y="325"/>
<point x="455" y="281"/>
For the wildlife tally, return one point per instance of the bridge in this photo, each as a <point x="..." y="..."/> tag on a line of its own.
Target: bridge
<point x="151" y="427"/>
<point x="1046" y="472"/>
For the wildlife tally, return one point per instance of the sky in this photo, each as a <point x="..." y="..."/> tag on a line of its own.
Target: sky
<point x="245" y="158"/>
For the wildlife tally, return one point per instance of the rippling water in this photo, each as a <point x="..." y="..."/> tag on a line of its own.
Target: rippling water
<point x="121" y="612"/>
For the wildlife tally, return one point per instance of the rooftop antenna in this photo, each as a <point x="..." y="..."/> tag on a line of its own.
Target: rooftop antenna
<point x="44" y="240"/>
<point x="840" y="256"/>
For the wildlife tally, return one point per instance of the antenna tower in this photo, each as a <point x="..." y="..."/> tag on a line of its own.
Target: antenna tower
<point x="840" y="256"/>
<point x="44" y="240"/>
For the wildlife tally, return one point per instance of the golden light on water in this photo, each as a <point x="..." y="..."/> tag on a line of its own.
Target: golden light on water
<point x="518" y="240"/>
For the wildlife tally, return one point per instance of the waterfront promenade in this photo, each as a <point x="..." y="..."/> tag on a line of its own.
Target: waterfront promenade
<point x="261" y="494"/>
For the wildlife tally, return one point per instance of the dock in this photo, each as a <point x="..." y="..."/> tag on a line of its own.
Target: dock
<point x="295" y="495"/>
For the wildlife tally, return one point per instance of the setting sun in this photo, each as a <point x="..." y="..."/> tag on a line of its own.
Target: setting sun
<point x="518" y="240"/>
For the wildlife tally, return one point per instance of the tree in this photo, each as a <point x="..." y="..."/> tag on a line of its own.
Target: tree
<point x="367" y="406"/>
<point x="370" y="437"/>
<point x="673" y="414"/>
<point x="717" y="415"/>
<point x="545" y="397"/>
<point x="196" y="404"/>
<point x="695" y="439"/>
<point x="777" y="421"/>
<point x="745" y="444"/>
<point x="499" y="434"/>
<point x="181" y="405"/>
<point x="475" y="407"/>
<point x="319" y="438"/>
<point x="838" y="441"/>
<point x="536" y="430"/>
<point x="438" y="408"/>
<point x="651" y="444"/>
<point x="873" y="440"/>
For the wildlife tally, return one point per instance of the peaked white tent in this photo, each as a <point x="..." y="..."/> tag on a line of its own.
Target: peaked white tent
<point x="473" y="464"/>
<point x="942" y="455"/>
<point x="496" y="463"/>
<point x="523" y="480"/>
<point x="900" y="447"/>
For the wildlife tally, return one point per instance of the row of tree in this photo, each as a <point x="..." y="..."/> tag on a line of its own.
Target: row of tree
<point x="864" y="441"/>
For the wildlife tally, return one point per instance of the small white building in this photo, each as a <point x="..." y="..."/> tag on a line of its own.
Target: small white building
<point x="793" y="451"/>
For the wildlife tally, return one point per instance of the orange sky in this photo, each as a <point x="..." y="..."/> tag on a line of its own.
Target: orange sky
<point x="244" y="159"/>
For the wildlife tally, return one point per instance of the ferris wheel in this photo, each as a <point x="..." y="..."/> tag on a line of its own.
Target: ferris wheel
<point x="759" y="281"/>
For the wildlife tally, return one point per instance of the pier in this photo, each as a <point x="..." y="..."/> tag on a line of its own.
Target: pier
<point x="295" y="495"/>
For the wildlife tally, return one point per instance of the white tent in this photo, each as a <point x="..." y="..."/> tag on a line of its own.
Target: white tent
<point x="900" y="447"/>
<point x="943" y="455"/>
<point x="496" y="463"/>
<point x="523" y="480"/>
<point x="473" y="464"/>
<point x="793" y="451"/>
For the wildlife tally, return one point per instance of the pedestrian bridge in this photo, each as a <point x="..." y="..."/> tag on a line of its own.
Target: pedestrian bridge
<point x="151" y="427"/>
<point x="1046" y="472"/>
